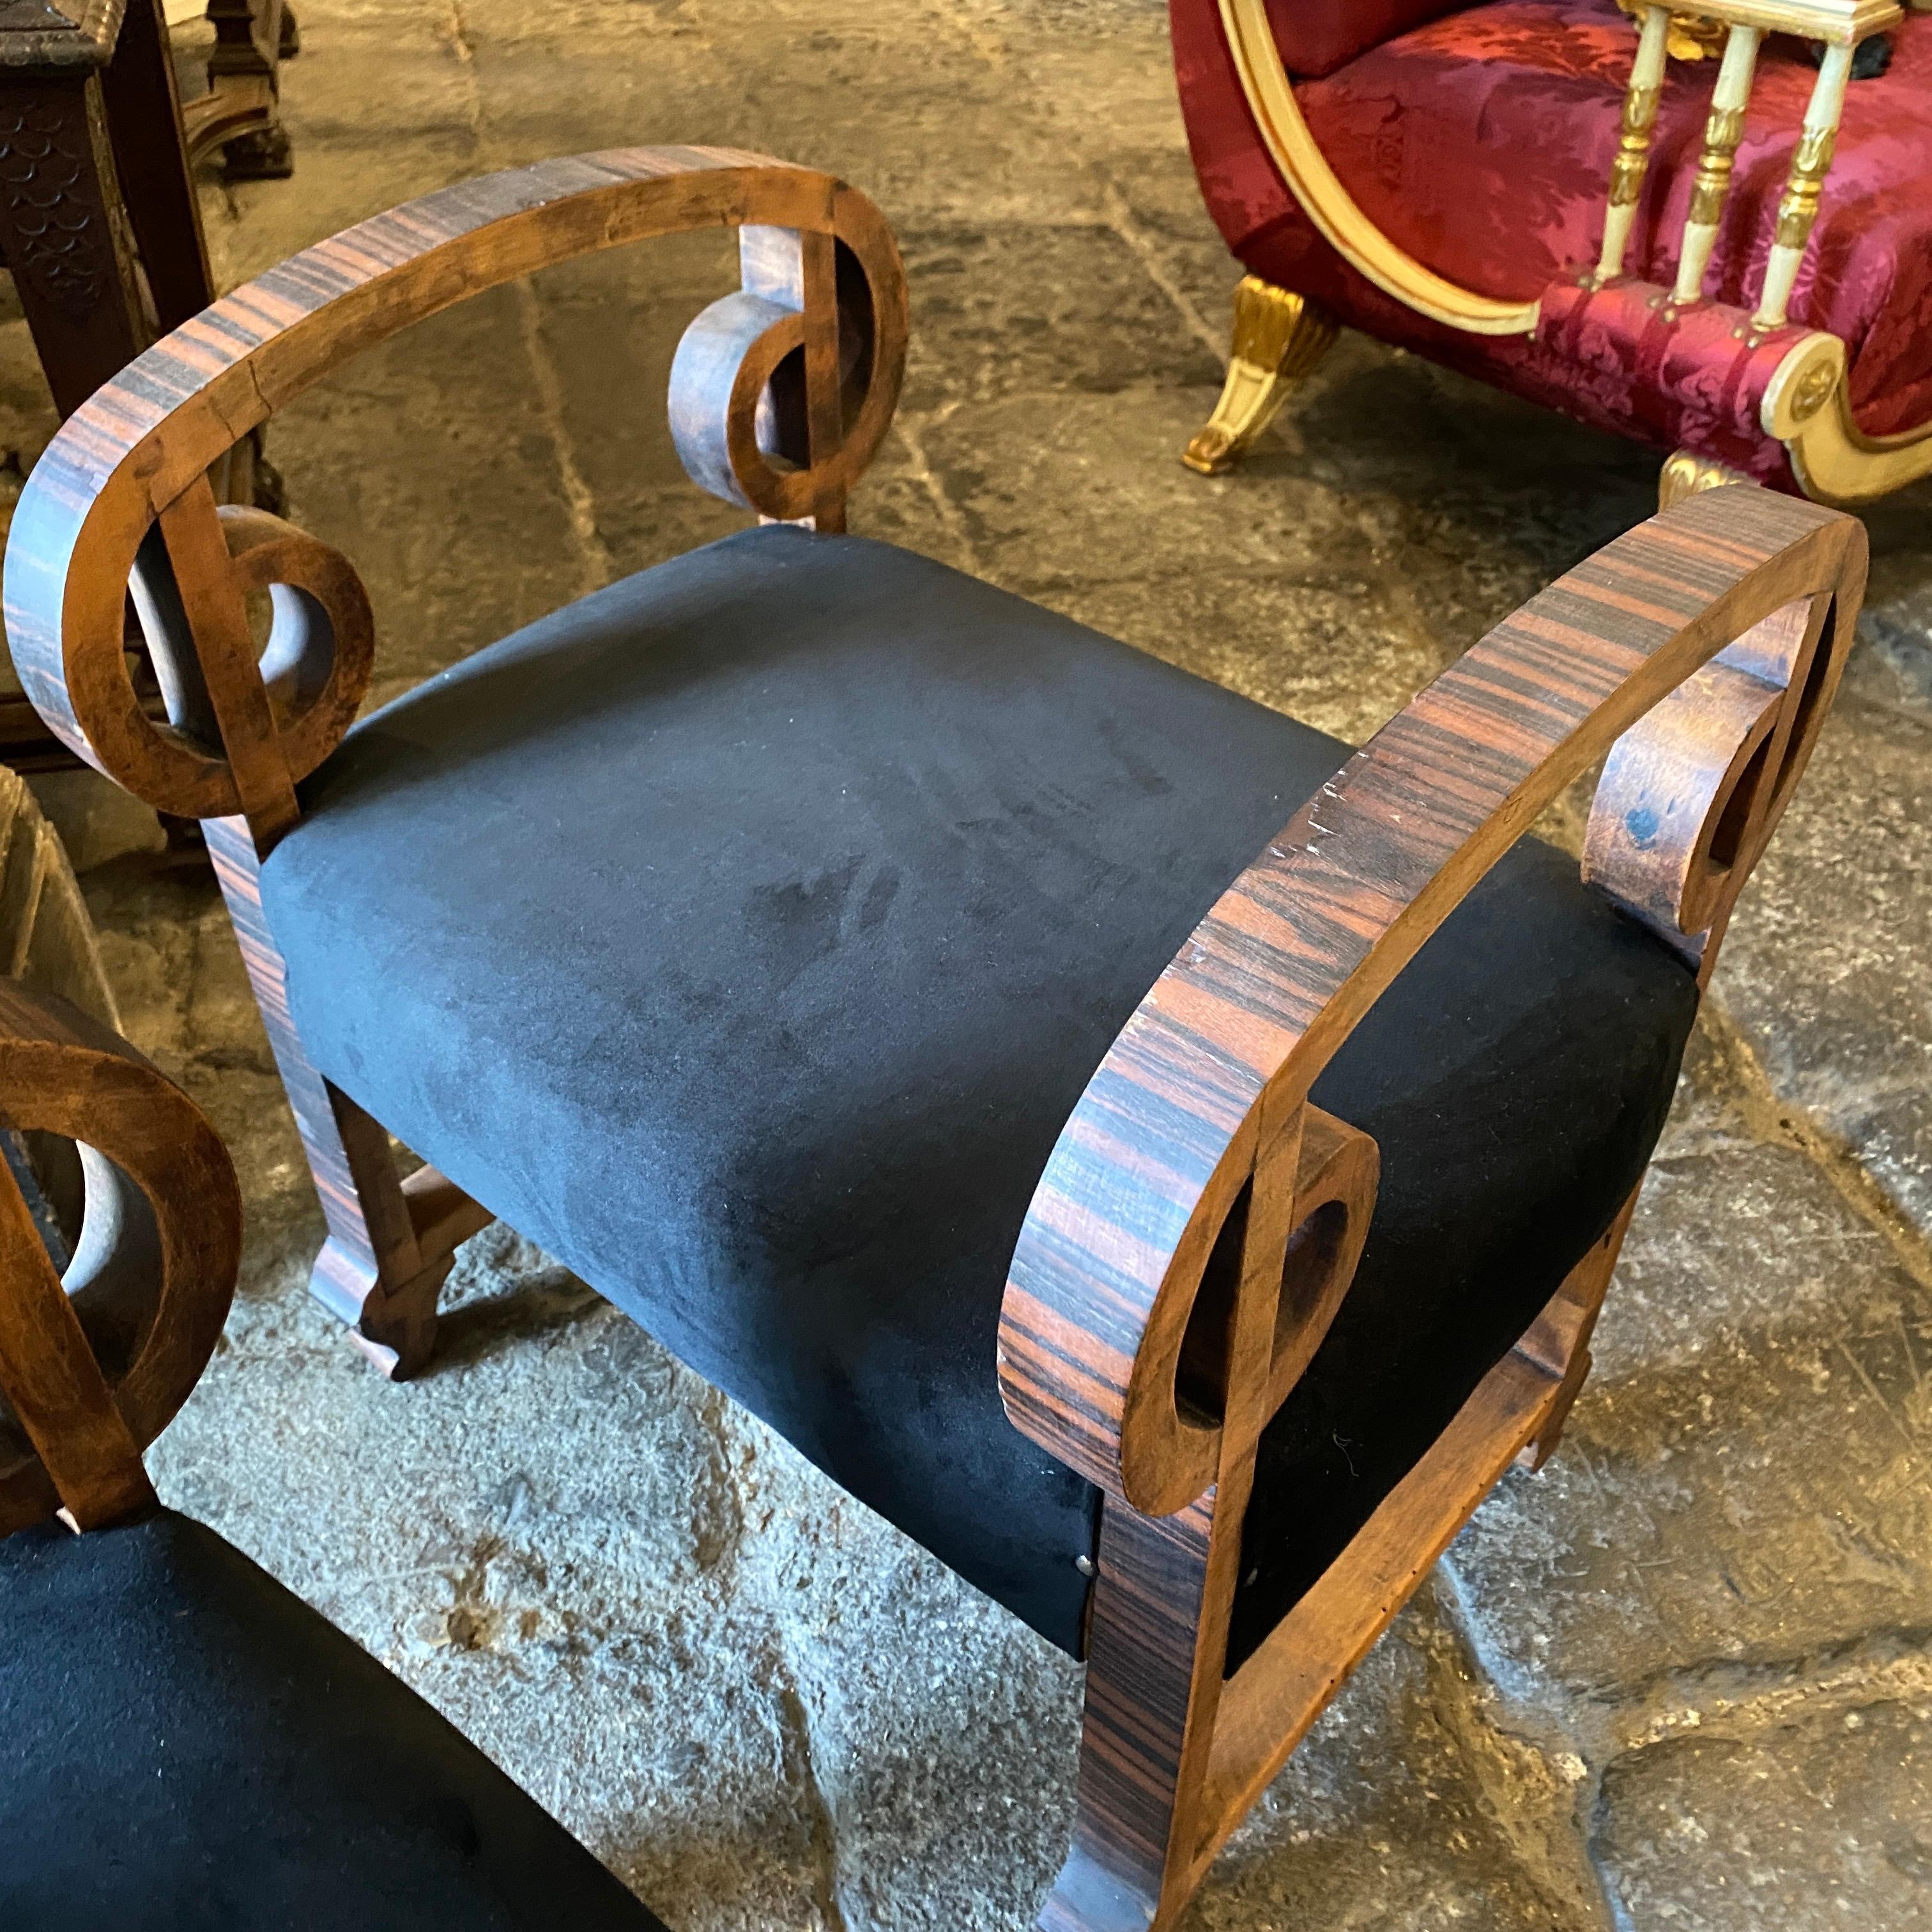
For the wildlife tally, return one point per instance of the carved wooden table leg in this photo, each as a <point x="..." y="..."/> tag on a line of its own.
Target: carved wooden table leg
<point x="143" y="103"/>
<point x="62" y="226"/>
<point x="241" y="113"/>
<point x="98" y="217"/>
<point x="65" y="235"/>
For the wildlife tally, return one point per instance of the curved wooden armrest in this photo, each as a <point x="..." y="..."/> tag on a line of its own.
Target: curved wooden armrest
<point x="819" y="324"/>
<point x="1179" y="1163"/>
<point x="95" y="1358"/>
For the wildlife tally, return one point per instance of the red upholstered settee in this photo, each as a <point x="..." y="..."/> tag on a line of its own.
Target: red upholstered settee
<point x="1531" y="192"/>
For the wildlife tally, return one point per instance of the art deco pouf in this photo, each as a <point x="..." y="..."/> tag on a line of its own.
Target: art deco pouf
<point x="184" y="1745"/>
<point x="868" y="980"/>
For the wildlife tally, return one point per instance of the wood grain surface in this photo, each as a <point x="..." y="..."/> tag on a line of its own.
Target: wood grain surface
<point x="122" y="498"/>
<point x="1222" y="1052"/>
<point x="140" y="448"/>
<point x="73" y="1439"/>
<point x="1142" y="1337"/>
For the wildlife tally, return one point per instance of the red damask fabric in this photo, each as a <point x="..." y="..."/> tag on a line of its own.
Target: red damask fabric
<point x="1482" y="143"/>
<point x="1316" y="36"/>
<point x="1690" y="382"/>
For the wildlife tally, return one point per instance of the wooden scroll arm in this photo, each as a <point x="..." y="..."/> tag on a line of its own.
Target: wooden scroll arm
<point x="1195" y="1119"/>
<point x="95" y="1359"/>
<point x="813" y="249"/>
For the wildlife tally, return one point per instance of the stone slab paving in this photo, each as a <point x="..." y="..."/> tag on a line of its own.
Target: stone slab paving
<point x="1684" y="1678"/>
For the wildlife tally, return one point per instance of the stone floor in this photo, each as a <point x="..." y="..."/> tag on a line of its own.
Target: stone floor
<point x="1682" y="1679"/>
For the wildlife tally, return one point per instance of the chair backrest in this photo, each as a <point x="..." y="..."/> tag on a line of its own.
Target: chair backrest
<point x="1316" y="36"/>
<point x="105" y="1326"/>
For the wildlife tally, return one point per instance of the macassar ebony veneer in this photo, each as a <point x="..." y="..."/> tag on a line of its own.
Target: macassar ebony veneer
<point x="184" y="1745"/>
<point x="868" y="980"/>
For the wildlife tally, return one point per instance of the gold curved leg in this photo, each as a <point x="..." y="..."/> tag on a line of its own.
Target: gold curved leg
<point x="1279" y="336"/>
<point x="1685" y="472"/>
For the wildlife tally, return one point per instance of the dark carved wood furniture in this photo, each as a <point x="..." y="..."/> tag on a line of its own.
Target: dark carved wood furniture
<point x="98" y="217"/>
<point x="100" y="223"/>
<point x="185" y="1746"/>
<point x="239" y="111"/>
<point x="1727" y="261"/>
<point x="866" y="978"/>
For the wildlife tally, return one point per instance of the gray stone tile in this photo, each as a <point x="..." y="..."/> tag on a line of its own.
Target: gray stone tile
<point x="425" y="88"/>
<point x="1342" y="656"/>
<point x="1819" y="1817"/>
<point x="1748" y="1475"/>
<point x="542" y="92"/>
<point x="1828" y="967"/>
<point x="1018" y="308"/>
<point x="1159" y="209"/>
<point x="944" y="1734"/>
<point x="1893" y="665"/>
<point x="430" y="462"/>
<point x="253" y="225"/>
<point x="577" y="1614"/>
<point x="845" y="90"/>
<point x="1387" y="1815"/>
<point x="1122" y="505"/>
<point x="607" y="334"/>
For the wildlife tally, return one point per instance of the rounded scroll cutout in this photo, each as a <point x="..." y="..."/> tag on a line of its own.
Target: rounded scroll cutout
<point x="1191" y="1372"/>
<point x="1335" y="1188"/>
<point x="1171" y="1431"/>
<point x="321" y="651"/>
<point x="1689" y="795"/>
<point x="740" y="412"/>
<point x="320" y="657"/>
<point x="153" y="1268"/>
<point x="729" y="356"/>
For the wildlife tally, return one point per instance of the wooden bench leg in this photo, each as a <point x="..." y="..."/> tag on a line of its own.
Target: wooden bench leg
<point x="1583" y="1293"/>
<point x="391" y="1242"/>
<point x="1172" y="1757"/>
<point x="1156" y="1643"/>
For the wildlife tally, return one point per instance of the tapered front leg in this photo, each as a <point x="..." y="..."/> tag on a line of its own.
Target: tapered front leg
<point x="1572" y="1321"/>
<point x="1157" y="1639"/>
<point x="1280" y="337"/>
<point x="1155" y="1652"/>
<point x="391" y="1245"/>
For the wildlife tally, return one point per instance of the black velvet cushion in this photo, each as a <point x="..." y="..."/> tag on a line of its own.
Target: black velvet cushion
<point x="186" y="1747"/>
<point x="745" y="933"/>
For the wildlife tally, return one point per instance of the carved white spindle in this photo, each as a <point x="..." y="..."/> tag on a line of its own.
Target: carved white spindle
<point x="1798" y="208"/>
<point x="1722" y="133"/>
<point x="1626" y="172"/>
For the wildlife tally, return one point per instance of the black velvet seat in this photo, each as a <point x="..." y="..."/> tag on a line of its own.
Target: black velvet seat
<point x="745" y="933"/>
<point x="186" y="1747"/>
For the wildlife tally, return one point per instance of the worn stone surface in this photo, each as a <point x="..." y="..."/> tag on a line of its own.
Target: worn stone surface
<point x="1683" y="1678"/>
